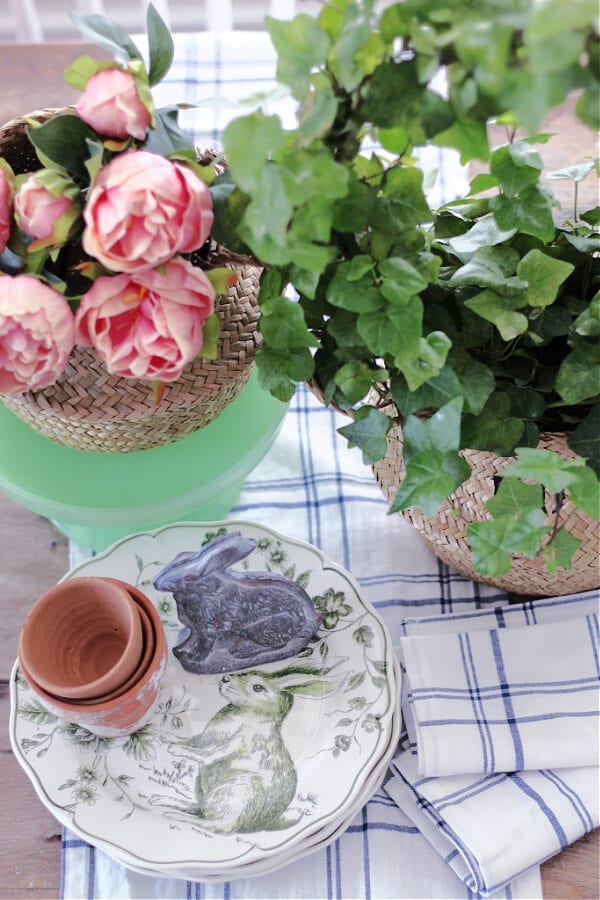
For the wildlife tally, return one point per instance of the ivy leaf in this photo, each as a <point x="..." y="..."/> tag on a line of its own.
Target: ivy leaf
<point x="558" y="554"/>
<point x="516" y="166"/>
<point x="368" y="432"/>
<point x="430" y="478"/>
<point x="500" y="312"/>
<point x="573" y="173"/>
<point x="403" y="203"/>
<point x="432" y="394"/>
<point x="160" y="46"/>
<point x="486" y="232"/>
<point x="401" y="280"/>
<point x="555" y="473"/>
<point x="441" y="431"/>
<point x="476" y="380"/>
<point x="433" y="351"/>
<point x="585" y="439"/>
<point x="530" y="212"/>
<point x="283" y="326"/>
<point x="248" y="141"/>
<point x="301" y="46"/>
<point x="491" y="267"/>
<point x="395" y="330"/>
<point x="317" y="114"/>
<point x="355" y="294"/>
<point x="468" y="136"/>
<point x="493" y="428"/>
<point x="544" y="276"/>
<point x="354" y="379"/>
<point x="493" y="542"/>
<point x="514" y="496"/>
<point x="587" y="323"/>
<point x="584" y="491"/>
<point x="578" y="378"/>
<point x="274" y="369"/>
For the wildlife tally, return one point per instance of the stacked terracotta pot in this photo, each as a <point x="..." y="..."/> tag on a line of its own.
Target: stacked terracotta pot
<point x="93" y="650"/>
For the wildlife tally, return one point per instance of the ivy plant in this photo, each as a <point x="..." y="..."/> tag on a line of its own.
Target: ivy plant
<point x="472" y="325"/>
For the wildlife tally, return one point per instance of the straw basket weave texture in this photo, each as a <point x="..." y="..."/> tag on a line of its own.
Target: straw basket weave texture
<point x="446" y="535"/>
<point x="89" y="409"/>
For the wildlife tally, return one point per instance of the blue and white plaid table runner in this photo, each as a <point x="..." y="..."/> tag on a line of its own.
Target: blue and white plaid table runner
<point x="310" y="486"/>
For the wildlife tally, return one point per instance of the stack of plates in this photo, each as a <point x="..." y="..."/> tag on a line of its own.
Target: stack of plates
<point x="319" y="753"/>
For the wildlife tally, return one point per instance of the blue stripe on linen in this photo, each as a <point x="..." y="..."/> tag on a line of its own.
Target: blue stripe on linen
<point x="328" y="873"/>
<point x="91" y="870"/>
<point x="338" y="870"/>
<point x="510" y="713"/>
<point x="63" y="858"/>
<point x="366" y="862"/>
<point x="521" y="720"/>
<point x="471" y="676"/>
<point x="493" y="691"/>
<point x="539" y="800"/>
<point x="572" y="796"/>
<point x="341" y="499"/>
<point x="227" y="891"/>
<point x="593" y="628"/>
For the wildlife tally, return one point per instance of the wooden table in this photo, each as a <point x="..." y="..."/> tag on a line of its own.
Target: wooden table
<point x="33" y="556"/>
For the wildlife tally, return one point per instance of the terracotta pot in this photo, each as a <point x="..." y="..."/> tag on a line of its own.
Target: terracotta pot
<point x="128" y="712"/>
<point x="82" y="638"/>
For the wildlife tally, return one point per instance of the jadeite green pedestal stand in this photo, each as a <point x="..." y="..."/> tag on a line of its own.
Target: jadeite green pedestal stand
<point x="98" y="498"/>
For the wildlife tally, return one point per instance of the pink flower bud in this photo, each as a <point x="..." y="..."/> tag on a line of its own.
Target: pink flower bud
<point x="111" y="105"/>
<point x="6" y="192"/>
<point x="44" y="208"/>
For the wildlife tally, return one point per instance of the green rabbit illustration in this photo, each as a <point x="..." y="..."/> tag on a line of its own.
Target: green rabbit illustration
<point x="247" y="778"/>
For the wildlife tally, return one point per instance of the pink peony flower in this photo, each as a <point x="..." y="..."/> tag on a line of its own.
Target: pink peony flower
<point x="44" y="208"/>
<point x="147" y="326"/>
<point x="144" y="208"/>
<point x="6" y="192"/>
<point x="37" y="334"/>
<point x="111" y="105"/>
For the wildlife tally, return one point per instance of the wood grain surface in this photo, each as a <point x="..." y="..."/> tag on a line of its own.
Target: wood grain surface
<point x="33" y="556"/>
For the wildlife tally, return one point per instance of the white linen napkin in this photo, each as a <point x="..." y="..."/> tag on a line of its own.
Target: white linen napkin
<point x="480" y="699"/>
<point x="491" y="828"/>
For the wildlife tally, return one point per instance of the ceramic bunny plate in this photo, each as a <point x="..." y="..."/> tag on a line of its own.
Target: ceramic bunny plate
<point x="234" y="767"/>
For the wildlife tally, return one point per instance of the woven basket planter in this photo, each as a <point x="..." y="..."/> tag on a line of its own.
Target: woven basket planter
<point x="446" y="532"/>
<point x="89" y="409"/>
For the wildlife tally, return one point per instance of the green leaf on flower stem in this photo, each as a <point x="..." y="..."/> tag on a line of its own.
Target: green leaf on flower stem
<point x="81" y="70"/>
<point x="555" y="473"/>
<point x="578" y="377"/>
<point x="558" y="554"/>
<point x="249" y="142"/>
<point x="368" y="432"/>
<point x="107" y="34"/>
<point x="544" y="276"/>
<point x="431" y="395"/>
<point x="516" y="166"/>
<point x="491" y="267"/>
<point x="587" y="323"/>
<point x="63" y="140"/>
<point x="211" y="330"/>
<point x="592" y="216"/>
<point x="433" y="351"/>
<point x="530" y="212"/>
<point x="430" y="478"/>
<point x="301" y="47"/>
<point x="584" y="492"/>
<point x="395" y="330"/>
<point x="160" y="46"/>
<point x="500" y="311"/>
<point x="283" y="326"/>
<point x="585" y="439"/>
<point x="354" y="379"/>
<point x="166" y="137"/>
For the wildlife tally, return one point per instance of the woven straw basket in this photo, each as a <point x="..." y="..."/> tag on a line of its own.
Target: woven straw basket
<point x="445" y="532"/>
<point x="89" y="409"/>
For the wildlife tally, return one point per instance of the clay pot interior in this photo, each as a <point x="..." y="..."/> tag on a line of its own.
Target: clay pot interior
<point x="149" y="644"/>
<point x="82" y="639"/>
<point x="125" y="710"/>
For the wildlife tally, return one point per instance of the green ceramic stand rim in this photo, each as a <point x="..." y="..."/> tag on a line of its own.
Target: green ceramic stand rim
<point x="104" y="496"/>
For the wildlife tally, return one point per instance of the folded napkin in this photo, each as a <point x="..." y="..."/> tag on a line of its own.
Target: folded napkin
<point x="490" y="828"/>
<point x="480" y="699"/>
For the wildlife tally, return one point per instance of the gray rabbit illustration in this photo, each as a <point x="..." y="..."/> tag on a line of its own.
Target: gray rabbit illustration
<point x="247" y="778"/>
<point x="235" y="619"/>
